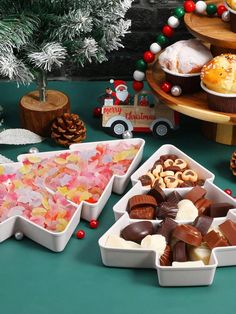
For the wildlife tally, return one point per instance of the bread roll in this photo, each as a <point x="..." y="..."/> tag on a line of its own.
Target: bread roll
<point x="231" y="4"/>
<point x="219" y="74"/>
<point x="185" y="57"/>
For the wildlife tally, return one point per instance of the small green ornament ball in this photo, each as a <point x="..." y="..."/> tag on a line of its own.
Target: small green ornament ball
<point x="141" y="65"/>
<point x="179" y="12"/>
<point x="161" y="40"/>
<point x="211" y="9"/>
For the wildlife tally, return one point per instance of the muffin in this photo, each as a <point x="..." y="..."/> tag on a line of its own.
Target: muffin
<point x="231" y="6"/>
<point x="182" y="63"/>
<point x="218" y="79"/>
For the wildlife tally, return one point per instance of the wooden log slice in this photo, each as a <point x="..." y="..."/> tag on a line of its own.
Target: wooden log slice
<point x="37" y="116"/>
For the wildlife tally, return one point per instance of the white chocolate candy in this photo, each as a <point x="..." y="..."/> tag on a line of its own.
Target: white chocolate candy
<point x="188" y="264"/>
<point x="187" y="210"/>
<point x="114" y="241"/>
<point x="200" y="253"/>
<point x="154" y="242"/>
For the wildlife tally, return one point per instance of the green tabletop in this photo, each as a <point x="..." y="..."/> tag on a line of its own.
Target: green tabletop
<point x="35" y="280"/>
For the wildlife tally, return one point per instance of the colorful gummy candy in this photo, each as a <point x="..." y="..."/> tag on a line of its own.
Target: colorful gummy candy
<point x="77" y="176"/>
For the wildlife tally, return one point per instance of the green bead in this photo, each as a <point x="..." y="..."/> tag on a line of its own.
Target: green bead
<point x="179" y="12"/>
<point x="211" y="9"/>
<point x="141" y="65"/>
<point x="162" y="40"/>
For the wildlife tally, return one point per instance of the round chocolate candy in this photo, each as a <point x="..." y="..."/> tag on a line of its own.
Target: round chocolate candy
<point x="137" y="231"/>
<point x="141" y="200"/>
<point x="188" y="234"/>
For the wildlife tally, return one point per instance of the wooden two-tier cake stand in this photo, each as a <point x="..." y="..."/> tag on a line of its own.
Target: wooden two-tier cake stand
<point x="217" y="126"/>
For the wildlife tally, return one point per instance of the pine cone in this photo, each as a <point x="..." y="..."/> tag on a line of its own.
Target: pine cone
<point x="68" y="129"/>
<point x="233" y="163"/>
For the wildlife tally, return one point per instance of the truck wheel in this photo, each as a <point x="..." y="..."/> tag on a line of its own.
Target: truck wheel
<point x="161" y="129"/>
<point x="118" y="128"/>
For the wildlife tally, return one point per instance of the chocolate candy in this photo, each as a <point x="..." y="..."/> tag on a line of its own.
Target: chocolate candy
<point x="199" y="253"/>
<point x="137" y="231"/>
<point x="165" y="259"/>
<point x="218" y="210"/>
<point x="203" y="223"/>
<point x="167" y="209"/>
<point x="145" y="180"/>
<point x="180" y="252"/>
<point x="157" y="193"/>
<point x="188" y="234"/>
<point x="228" y="228"/>
<point x="187" y="210"/>
<point x="141" y="200"/>
<point x="145" y="212"/>
<point x="195" y="194"/>
<point x="203" y="204"/>
<point x="215" y="239"/>
<point x="166" y="228"/>
<point x="174" y="197"/>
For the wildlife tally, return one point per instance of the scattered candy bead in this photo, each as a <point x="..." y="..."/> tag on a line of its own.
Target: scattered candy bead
<point x="189" y="6"/>
<point x="127" y="135"/>
<point x="19" y="236"/>
<point x="137" y="85"/>
<point x="148" y="57"/>
<point x="166" y="87"/>
<point x="93" y="224"/>
<point x="33" y="150"/>
<point x="97" y="112"/>
<point x="167" y="31"/>
<point x="80" y="234"/>
<point x="228" y="191"/>
<point x="176" y="91"/>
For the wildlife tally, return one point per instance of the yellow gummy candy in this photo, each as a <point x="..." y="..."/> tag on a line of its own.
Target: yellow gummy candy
<point x="39" y="211"/>
<point x="1" y="170"/>
<point x="62" y="223"/>
<point x="17" y="184"/>
<point x="25" y="169"/>
<point x="72" y="193"/>
<point x="63" y="190"/>
<point x="60" y="161"/>
<point x="45" y="203"/>
<point x="85" y="196"/>
<point x="34" y="159"/>
<point x="72" y="158"/>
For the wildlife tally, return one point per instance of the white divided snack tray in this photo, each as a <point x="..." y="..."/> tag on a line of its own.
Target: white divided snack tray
<point x="56" y="241"/>
<point x="213" y="193"/>
<point x="117" y="183"/>
<point x="167" y="275"/>
<point x="202" y="172"/>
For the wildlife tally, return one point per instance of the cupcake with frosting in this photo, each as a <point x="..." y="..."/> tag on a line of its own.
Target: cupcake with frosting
<point x="218" y="79"/>
<point x="231" y="6"/>
<point x="182" y="63"/>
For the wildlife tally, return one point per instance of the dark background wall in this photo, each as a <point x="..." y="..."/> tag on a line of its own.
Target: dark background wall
<point x="148" y="17"/>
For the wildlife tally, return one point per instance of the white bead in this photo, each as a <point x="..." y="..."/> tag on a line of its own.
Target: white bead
<point x="225" y="16"/>
<point x="127" y="135"/>
<point x="138" y="75"/>
<point x="19" y="236"/>
<point x="155" y="48"/>
<point x="176" y="91"/>
<point x="200" y="7"/>
<point x="173" y="21"/>
<point x="33" y="150"/>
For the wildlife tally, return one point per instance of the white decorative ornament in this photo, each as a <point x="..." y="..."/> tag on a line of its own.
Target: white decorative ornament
<point x="33" y="150"/>
<point x="155" y="48"/>
<point x="19" y="137"/>
<point x="19" y="236"/>
<point x="176" y="90"/>
<point x="200" y="7"/>
<point x="173" y="21"/>
<point x="225" y="16"/>
<point x="138" y="75"/>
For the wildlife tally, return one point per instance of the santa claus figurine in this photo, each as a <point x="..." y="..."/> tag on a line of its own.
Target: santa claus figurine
<point x="121" y="94"/>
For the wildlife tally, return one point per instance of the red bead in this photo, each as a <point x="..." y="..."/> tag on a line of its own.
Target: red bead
<point x="137" y="86"/>
<point x="93" y="224"/>
<point x="148" y="56"/>
<point x="167" y="31"/>
<point x="228" y="191"/>
<point x="221" y="9"/>
<point x="97" y="112"/>
<point x="80" y="234"/>
<point x="189" y="6"/>
<point x="166" y="87"/>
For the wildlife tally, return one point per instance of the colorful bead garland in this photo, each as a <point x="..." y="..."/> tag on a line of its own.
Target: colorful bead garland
<point x="168" y="30"/>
